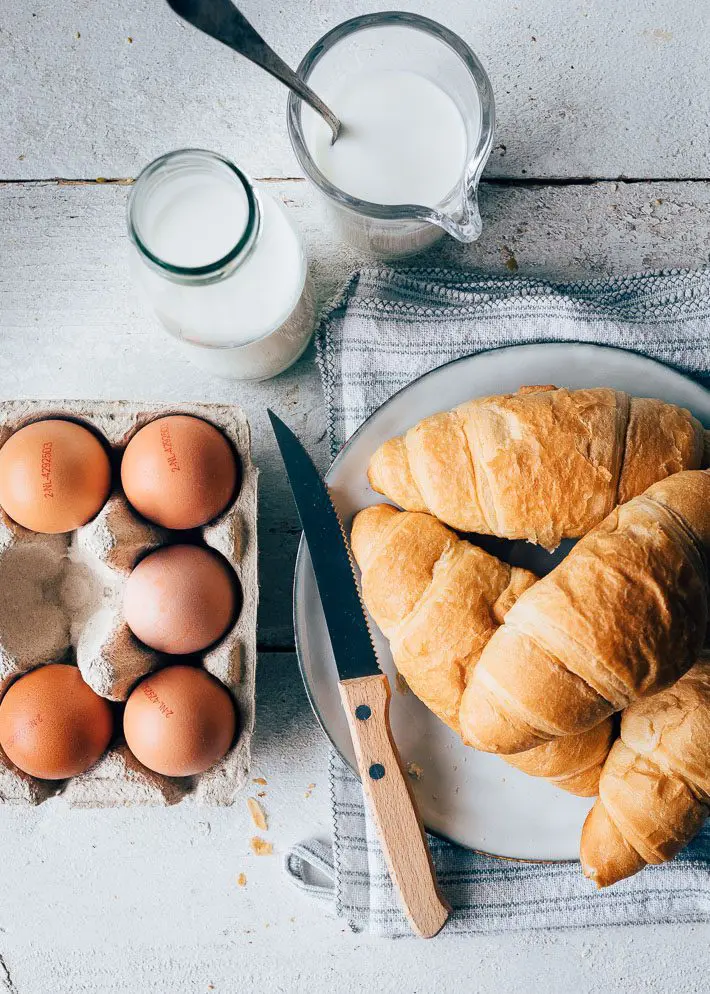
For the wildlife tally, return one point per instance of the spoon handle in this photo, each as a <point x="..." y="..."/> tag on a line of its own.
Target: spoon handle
<point x="223" y="21"/>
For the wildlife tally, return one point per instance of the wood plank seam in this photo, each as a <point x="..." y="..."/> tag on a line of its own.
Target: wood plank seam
<point x="503" y="181"/>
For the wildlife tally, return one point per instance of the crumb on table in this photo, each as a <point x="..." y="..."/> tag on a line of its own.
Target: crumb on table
<point x="258" y="815"/>
<point x="260" y="847"/>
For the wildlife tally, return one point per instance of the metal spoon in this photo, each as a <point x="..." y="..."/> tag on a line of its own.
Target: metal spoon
<point x="222" y="20"/>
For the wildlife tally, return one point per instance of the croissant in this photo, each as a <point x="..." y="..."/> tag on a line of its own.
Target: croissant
<point x="543" y="464"/>
<point x="655" y="786"/>
<point x="438" y="599"/>
<point x="622" y="616"/>
<point x="572" y="762"/>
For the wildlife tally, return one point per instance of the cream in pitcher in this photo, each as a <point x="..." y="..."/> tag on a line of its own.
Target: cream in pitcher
<point x="403" y="139"/>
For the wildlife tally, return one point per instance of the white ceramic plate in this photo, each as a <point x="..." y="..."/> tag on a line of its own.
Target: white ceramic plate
<point x="466" y="796"/>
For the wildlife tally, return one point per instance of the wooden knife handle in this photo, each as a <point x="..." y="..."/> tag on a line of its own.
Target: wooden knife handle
<point x="366" y="701"/>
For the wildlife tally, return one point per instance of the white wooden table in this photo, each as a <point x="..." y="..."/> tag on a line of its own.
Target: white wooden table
<point x="601" y="164"/>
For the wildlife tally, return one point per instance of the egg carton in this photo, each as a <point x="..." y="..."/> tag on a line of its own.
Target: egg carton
<point x="61" y="601"/>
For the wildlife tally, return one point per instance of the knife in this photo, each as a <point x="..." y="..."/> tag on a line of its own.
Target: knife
<point x="364" y="692"/>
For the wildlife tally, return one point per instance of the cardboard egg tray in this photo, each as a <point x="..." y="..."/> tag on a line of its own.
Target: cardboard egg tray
<point x="61" y="601"/>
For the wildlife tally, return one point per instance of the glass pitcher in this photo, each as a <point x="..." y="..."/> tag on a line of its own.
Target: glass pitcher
<point x="403" y="41"/>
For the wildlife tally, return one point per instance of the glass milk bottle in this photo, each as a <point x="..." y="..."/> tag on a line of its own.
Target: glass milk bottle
<point x="222" y="265"/>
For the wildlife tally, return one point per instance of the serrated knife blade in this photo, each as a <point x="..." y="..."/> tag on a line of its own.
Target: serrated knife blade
<point x="349" y="632"/>
<point x="364" y="692"/>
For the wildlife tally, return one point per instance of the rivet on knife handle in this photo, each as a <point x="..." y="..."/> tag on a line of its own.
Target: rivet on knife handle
<point x="401" y="833"/>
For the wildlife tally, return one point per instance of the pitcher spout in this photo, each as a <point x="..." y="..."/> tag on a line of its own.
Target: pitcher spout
<point x="466" y="228"/>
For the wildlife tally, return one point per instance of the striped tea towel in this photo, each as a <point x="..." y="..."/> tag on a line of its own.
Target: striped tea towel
<point x="388" y="327"/>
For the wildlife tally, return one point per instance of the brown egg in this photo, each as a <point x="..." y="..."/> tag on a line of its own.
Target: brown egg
<point x="54" y="476"/>
<point x="179" y="472"/>
<point x="179" y="721"/>
<point x="180" y="599"/>
<point x="52" y="724"/>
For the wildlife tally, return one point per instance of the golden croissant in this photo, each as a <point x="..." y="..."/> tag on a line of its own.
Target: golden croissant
<point x="439" y="599"/>
<point x="624" y="615"/>
<point x="543" y="464"/>
<point x="655" y="785"/>
<point x="573" y="762"/>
